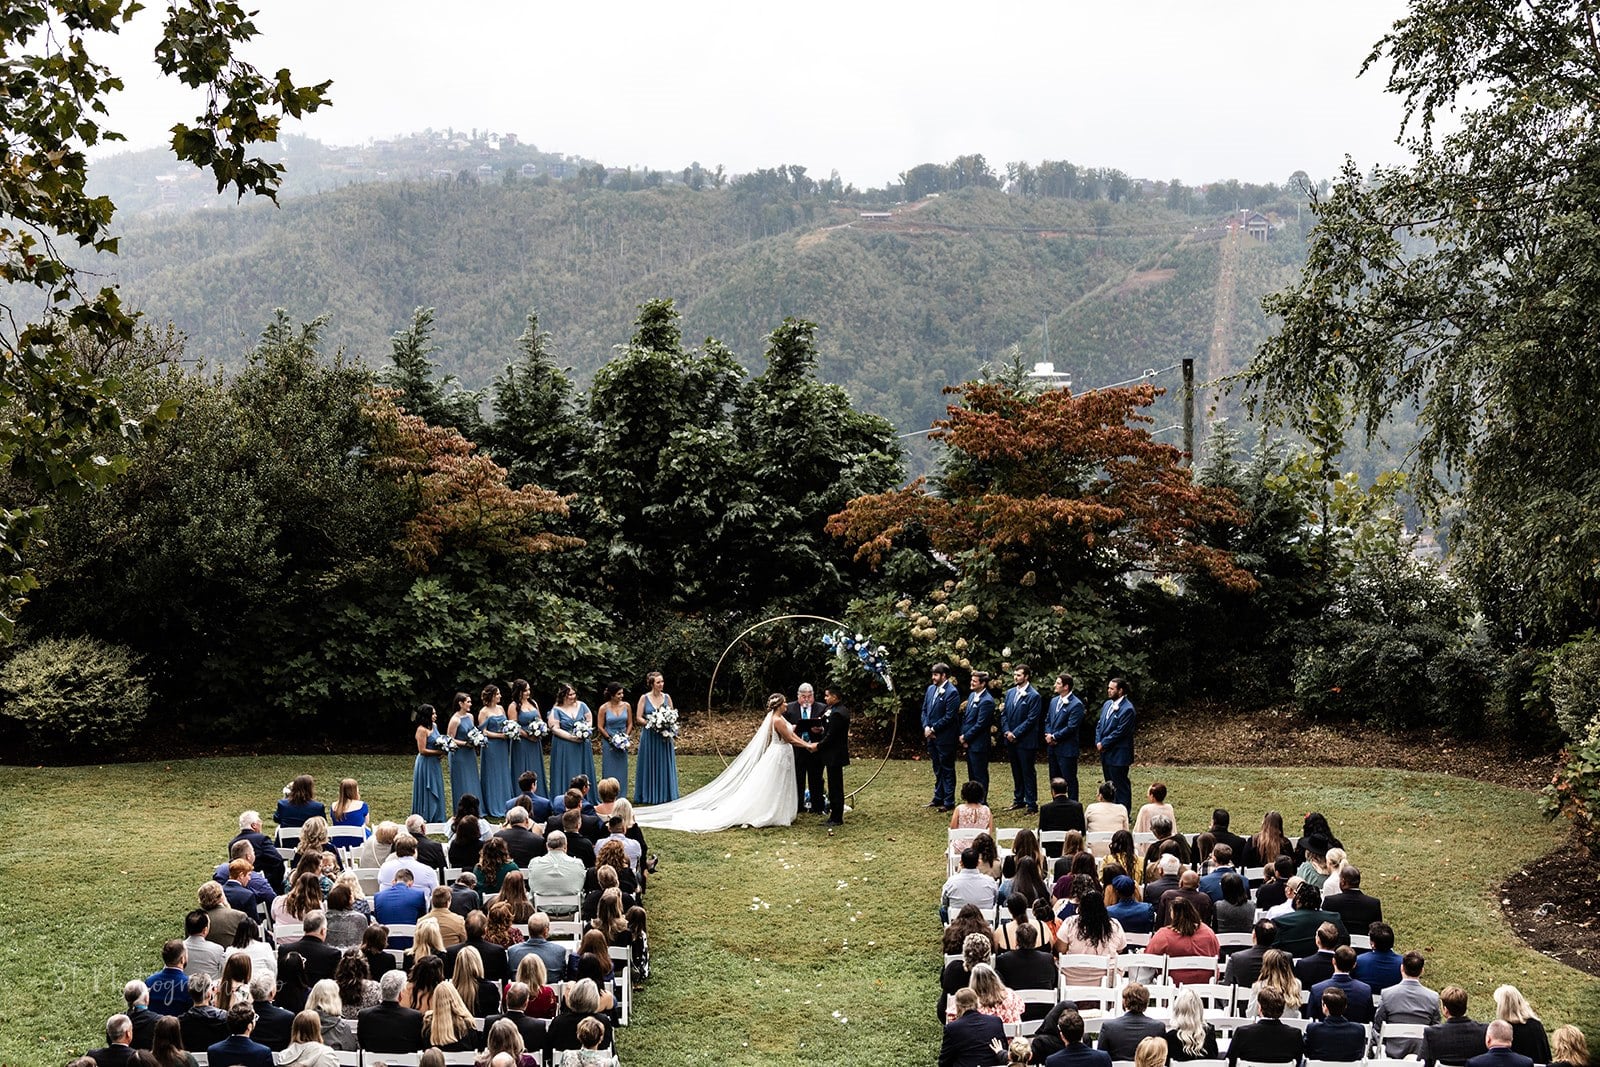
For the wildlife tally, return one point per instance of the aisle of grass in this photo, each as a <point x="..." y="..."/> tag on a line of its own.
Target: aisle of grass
<point x="770" y="946"/>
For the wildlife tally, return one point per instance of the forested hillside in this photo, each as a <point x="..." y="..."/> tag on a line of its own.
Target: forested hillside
<point x="905" y="305"/>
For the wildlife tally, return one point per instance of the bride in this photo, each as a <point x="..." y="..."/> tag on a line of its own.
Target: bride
<point x="756" y="789"/>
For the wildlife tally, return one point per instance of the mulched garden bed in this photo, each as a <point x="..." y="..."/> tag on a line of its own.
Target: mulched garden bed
<point x="1552" y="905"/>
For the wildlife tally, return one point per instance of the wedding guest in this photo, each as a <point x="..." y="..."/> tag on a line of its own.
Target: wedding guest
<point x="306" y="1046"/>
<point x="314" y="843"/>
<point x="301" y="803"/>
<point x="237" y="1047"/>
<point x="447" y="1024"/>
<point x="467" y="842"/>
<point x="1090" y="931"/>
<point x="539" y="996"/>
<point x="1120" y="1036"/>
<point x="1568" y="1047"/>
<point x="1277" y="977"/>
<point x="974" y="949"/>
<point x="481" y="996"/>
<point x="498" y="780"/>
<point x="972" y="1035"/>
<point x="353" y="977"/>
<point x="1190" y="1037"/>
<point x="262" y="957"/>
<point x="204" y="1024"/>
<point x="375" y="950"/>
<point x="967" y="886"/>
<point x="657" y="780"/>
<point x="494" y="863"/>
<point x="1264" y="848"/>
<point x="426" y="975"/>
<point x="1021" y="915"/>
<point x="427" y="776"/>
<point x="168" y="1048"/>
<point x="465" y="778"/>
<point x="582" y="1001"/>
<point x="970" y="919"/>
<point x="1105" y="815"/>
<point x="527" y="752"/>
<point x="350" y="809"/>
<point x="504" y="1040"/>
<point x="1155" y="805"/>
<point x="1235" y="911"/>
<point x="971" y="814"/>
<point x="1527" y="1031"/>
<point x="346" y="925"/>
<point x="993" y="996"/>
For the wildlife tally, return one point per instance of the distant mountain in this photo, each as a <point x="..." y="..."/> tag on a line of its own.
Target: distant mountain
<point x="909" y="298"/>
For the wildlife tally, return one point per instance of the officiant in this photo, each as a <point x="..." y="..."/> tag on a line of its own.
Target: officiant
<point x="833" y="750"/>
<point x="806" y="716"/>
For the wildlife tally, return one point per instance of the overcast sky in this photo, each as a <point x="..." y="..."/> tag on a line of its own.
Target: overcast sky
<point x="1164" y="89"/>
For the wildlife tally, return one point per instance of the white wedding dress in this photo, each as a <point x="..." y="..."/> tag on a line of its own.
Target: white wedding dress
<point x="756" y="789"/>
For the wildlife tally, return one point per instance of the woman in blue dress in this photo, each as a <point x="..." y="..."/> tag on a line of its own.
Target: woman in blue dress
<point x="616" y="717"/>
<point x="301" y="803"/>
<point x="658" y="759"/>
<point x="499" y="784"/>
<point x="527" y="752"/>
<point x="570" y="754"/>
<point x="464" y="777"/>
<point x="350" y="809"/>
<point x="427" y="774"/>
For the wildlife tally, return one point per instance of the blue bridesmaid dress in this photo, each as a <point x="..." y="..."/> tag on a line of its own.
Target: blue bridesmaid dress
<point x="527" y="754"/>
<point x="614" y="764"/>
<point x="499" y="784"/>
<point x="568" y="759"/>
<point x="658" y="765"/>
<point x="427" y="788"/>
<point x="464" y="776"/>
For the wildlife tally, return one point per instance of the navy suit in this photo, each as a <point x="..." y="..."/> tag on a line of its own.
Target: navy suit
<point x="239" y="1051"/>
<point x="1336" y="1039"/>
<point x="1500" y="1057"/>
<point x="1079" y="1055"/>
<point x="975" y="724"/>
<point x="941" y="713"/>
<point x="967" y="1040"/>
<point x="1114" y="734"/>
<point x="1061" y="739"/>
<point x="1022" y="720"/>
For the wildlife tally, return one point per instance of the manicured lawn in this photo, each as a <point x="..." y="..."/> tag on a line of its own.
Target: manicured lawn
<point x="769" y="946"/>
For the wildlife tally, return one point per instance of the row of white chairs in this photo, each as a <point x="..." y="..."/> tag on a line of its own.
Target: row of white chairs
<point x="1098" y="842"/>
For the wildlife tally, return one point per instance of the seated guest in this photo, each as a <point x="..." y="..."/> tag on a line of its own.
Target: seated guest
<point x="1568" y="1048"/>
<point x="1277" y="974"/>
<point x="1333" y="1037"/>
<point x="491" y="957"/>
<point x="1268" y="1039"/>
<point x="1123" y="853"/>
<point x="1318" y="967"/>
<point x="1190" y="1037"/>
<point x="521" y="842"/>
<point x="451" y="928"/>
<point x="205" y="1023"/>
<point x="1221" y="865"/>
<point x="1357" y="909"/>
<point x="1407" y="1001"/>
<point x="480" y="994"/>
<point x="1269" y="843"/>
<point x="1155" y="807"/>
<point x="357" y="990"/>
<point x="1223" y="836"/>
<point x="1235" y="911"/>
<point x="1380" y="966"/>
<point x="1244" y="967"/>
<point x="580" y="846"/>
<point x="970" y="1036"/>
<point x="306" y="1045"/>
<point x="1275" y="890"/>
<point x="1020" y="912"/>
<point x="542" y="999"/>
<point x="137" y="997"/>
<point x="555" y="874"/>
<point x="222" y="921"/>
<point x="1120" y="1037"/>
<point x="994" y="998"/>
<point x="1297" y="931"/>
<point x="237" y="1049"/>
<point x="1499" y="1052"/>
<point x="1188" y="889"/>
<point x="957" y="974"/>
<point x="1061" y="813"/>
<point x="1135" y="917"/>
<point x="346" y="925"/>
<point x="1105" y="815"/>
<point x="405" y="855"/>
<point x="272" y="1021"/>
<point x="1166" y="869"/>
<point x="119" y="1051"/>
<point x="611" y="854"/>
<point x="169" y="987"/>
<point x="1027" y="967"/>
<point x="237" y="891"/>
<point x="1090" y="931"/>
<point x="389" y="1026"/>
<point x="1167" y="842"/>
<point x="464" y="896"/>
<point x="293" y="987"/>
<point x="466" y="841"/>
<point x="971" y="814"/>
<point x="1527" y="1032"/>
<point x="538" y="806"/>
<point x="321" y="958"/>
<point x="1074" y="1052"/>
<point x="1152" y="1052"/>
<point x="378" y="847"/>
<point x="263" y="855"/>
<point x="967" y="886"/>
<point x="582" y="1001"/>
<point x="1358" y="995"/>
<point x="530" y="1028"/>
<point x="1185" y="935"/>
<point x="447" y="1024"/>
<point x="301" y="803"/>
<point x="1458" y="1038"/>
<point x="429" y="852"/>
<point x="203" y="957"/>
<point x="293" y="907"/>
<point x="167" y="1048"/>
<point x="537" y="943"/>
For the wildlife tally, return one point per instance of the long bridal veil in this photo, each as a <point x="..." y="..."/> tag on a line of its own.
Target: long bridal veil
<point x="756" y="789"/>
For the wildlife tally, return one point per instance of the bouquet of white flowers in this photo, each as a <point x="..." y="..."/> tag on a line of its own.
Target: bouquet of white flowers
<point x="583" y="731"/>
<point x="513" y="730"/>
<point x="620" y="741"/>
<point x="475" y="738"/>
<point x="663" y="720"/>
<point x="440" y="741"/>
<point x="535" y="730"/>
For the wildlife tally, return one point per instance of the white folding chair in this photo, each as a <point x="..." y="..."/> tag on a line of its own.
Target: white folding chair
<point x="1100" y="998"/>
<point x="1023" y="1028"/>
<point x="622" y="967"/>
<point x="1214" y="998"/>
<point x="408" y="931"/>
<point x="1361" y="942"/>
<point x="558" y="903"/>
<point x="1298" y="1022"/>
<point x="1205" y="1063"/>
<point x="451" y="874"/>
<point x="460" y="1059"/>
<point x="347" y="837"/>
<point x="437" y="829"/>
<point x="1051" y="837"/>
<point x="1193" y="963"/>
<point x="1142" y="842"/>
<point x="1255" y="875"/>
<point x="565" y="929"/>
<point x="1092" y="1024"/>
<point x="288" y="837"/>
<point x="367" y="878"/>
<point x="348" y="1059"/>
<point x="1263" y="1063"/>
<point x="201" y="1059"/>
<point x="1162" y="994"/>
<point x="395" y="1059"/>
<point x="1142" y="967"/>
<point x="1136" y="941"/>
<point x="1099" y="843"/>
<point x="1395" y="1031"/>
<point x="1334" y="1063"/>
<point x="1227" y="944"/>
<point x="1086" y="961"/>
<point x="289" y="931"/>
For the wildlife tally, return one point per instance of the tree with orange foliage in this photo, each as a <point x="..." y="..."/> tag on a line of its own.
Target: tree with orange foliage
<point x="1049" y="508"/>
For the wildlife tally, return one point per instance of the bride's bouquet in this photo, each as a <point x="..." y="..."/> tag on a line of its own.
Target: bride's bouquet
<point x="664" y="721"/>
<point x="583" y="731"/>
<point x="620" y="741"/>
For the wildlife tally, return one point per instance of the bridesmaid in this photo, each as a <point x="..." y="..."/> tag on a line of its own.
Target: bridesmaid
<point x="527" y="752"/>
<point x="570" y="755"/>
<point x="427" y="774"/>
<point x="616" y="717"/>
<point x="499" y="784"/>
<point x="464" y="777"/>
<point x="658" y="761"/>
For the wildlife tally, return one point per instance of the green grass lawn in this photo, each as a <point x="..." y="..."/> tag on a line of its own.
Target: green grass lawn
<point x="775" y="946"/>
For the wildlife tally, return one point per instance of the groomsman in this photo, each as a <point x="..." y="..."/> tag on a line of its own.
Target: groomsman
<point x="806" y="717"/>
<point x="941" y="729"/>
<point x="1061" y="733"/>
<point x="1113" y="739"/>
<point x="975" y="724"/>
<point x="1021" y="721"/>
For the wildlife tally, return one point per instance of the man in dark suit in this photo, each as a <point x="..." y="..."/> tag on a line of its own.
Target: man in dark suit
<point x="1268" y="1040"/>
<point x="941" y="730"/>
<point x="1169" y="866"/>
<point x="977" y="719"/>
<point x="833" y="751"/>
<point x="1076" y="1053"/>
<point x="268" y="860"/>
<point x="1333" y="1037"/>
<point x="321" y="958"/>
<point x="1063" y="812"/>
<point x="1297" y="931"/>
<point x="1219" y="830"/>
<point x="238" y="1050"/>
<point x="1028" y="966"/>
<point x="805" y="715"/>
<point x="1357" y="909"/>
<point x="1458" y="1038"/>
<point x="532" y="1030"/>
<point x="1113" y="739"/>
<point x="589" y="824"/>
<point x="1318" y="967"/>
<point x="1499" y="1054"/>
<point x="119" y="1050"/>
<point x="1380" y="966"/>
<point x="580" y="846"/>
<point x="204" y="1024"/>
<point x="521" y="841"/>
<point x="1120" y="1037"/>
<point x="1022" y="720"/>
<point x="1188" y="889"/>
<point x="1211" y="884"/>
<point x="538" y="807"/>
<point x="1062" y="722"/>
<point x="464" y="896"/>
<point x="388" y="1026"/>
<point x="972" y="1038"/>
<point x="429" y="853"/>
<point x="272" y="1022"/>
<point x="1358" y="995"/>
<point x="492" y="955"/>
<point x="1244" y="966"/>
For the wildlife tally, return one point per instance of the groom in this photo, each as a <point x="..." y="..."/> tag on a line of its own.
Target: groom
<point x="807" y="719"/>
<point x="833" y="751"/>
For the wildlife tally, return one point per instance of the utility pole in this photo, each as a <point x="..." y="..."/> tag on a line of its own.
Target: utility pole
<point x="1188" y="411"/>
